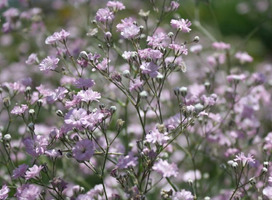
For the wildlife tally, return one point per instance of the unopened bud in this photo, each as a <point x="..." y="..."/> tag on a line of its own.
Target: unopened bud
<point x="126" y="73"/>
<point x="196" y="39"/>
<point x="183" y="91"/>
<point x="39" y="102"/>
<point x="7" y="138"/>
<point x="31" y="127"/>
<point x="113" y="109"/>
<point x="59" y="113"/>
<point x="199" y="107"/>
<point x="6" y="101"/>
<point x="143" y="94"/>
<point x="84" y="55"/>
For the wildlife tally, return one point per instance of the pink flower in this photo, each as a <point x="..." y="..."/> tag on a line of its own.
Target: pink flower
<point x="181" y="24"/>
<point x="183" y="195"/>
<point x="28" y="191"/>
<point x="155" y="136"/>
<point x="178" y="49"/>
<point x="196" y="48"/>
<point x="150" y="68"/>
<point x="89" y="95"/>
<point x="243" y="57"/>
<point x="32" y="59"/>
<point x="267" y="191"/>
<point x="75" y="117"/>
<point x="136" y="84"/>
<point x="173" y="6"/>
<point x="128" y="29"/>
<point x="18" y="110"/>
<point x="129" y="54"/>
<point x="236" y="77"/>
<point x="165" y="169"/>
<point x="19" y="171"/>
<point x="150" y="54"/>
<point x="158" y="40"/>
<point x="83" y="150"/>
<point x="4" y="192"/>
<point x="48" y="64"/>
<point x="245" y="159"/>
<point x="57" y="36"/>
<point x="37" y="146"/>
<point x="221" y="45"/>
<point x="127" y="161"/>
<point x="115" y="5"/>
<point x="104" y="15"/>
<point x="33" y="172"/>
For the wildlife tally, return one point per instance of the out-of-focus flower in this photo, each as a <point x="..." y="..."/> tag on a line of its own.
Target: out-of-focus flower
<point x="84" y="83"/>
<point x="28" y="191"/>
<point x="127" y="161"/>
<point x="4" y="192"/>
<point x="181" y="24"/>
<point x="32" y="59"/>
<point x="18" y="110"/>
<point x="33" y="172"/>
<point x="221" y="45"/>
<point x="243" y="57"/>
<point x="165" y="169"/>
<point x="183" y="195"/>
<point x="19" y="171"/>
<point x="104" y="15"/>
<point x="115" y="5"/>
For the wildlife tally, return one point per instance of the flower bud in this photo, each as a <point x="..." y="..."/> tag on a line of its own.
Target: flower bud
<point x="6" y="101"/>
<point x="39" y="102"/>
<point x="31" y="127"/>
<point x="176" y="91"/>
<point x="196" y="39"/>
<point x="199" y="107"/>
<point x="7" y="138"/>
<point x="59" y="113"/>
<point x="113" y="109"/>
<point x="183" y="91"/>
<point x="84" y="55"/>
<point x="126" y="73"/>
<point x="143" y="94"/>
<point x="31" y="112"/>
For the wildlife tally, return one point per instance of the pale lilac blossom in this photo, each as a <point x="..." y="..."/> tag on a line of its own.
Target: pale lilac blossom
<point x="33" y="172"/>
<point x="19" y="110"/>
<point x="165" y="169"/>
<point x="128" y="161"/>
<point x="181" y="24"/>
<point x="49" y="64"/>
<point x="243" y="57"/>
<point x="4" y="192"/>
<point x="19" y="171"/>
<point x="183" y="195"/>
<point x="104" y="15"/>
<point x="83" y="150"/>
<point x="115" y="5"/>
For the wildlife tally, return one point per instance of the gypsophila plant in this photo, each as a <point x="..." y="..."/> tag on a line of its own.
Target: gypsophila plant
<point x="128" y="100"/>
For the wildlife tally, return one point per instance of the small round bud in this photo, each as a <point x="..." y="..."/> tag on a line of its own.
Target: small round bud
<point x="126" y="73"/>
<point x="31" y="127"/>
<point x="265" y="164"/>
<point x="207" y="85"/>
<point x="207" y="198"/>
<point x="170" y="34"/>
<point x="6" y="101"/>
<point x="264" y="170"/>
<point x="39" y="102"/>
<point x="59" y="113"/>
<point x="31" y="112"/>
<point x="113" y="109"/>
<point x="28" y="89"/>
<point x="183" y="91"/>
<point x="252" y="181"/>
<point x="7" y="138"/>
<point x="177" y="91"/>
<point x="143" y="94"/>
<point x="84" y="55"/>
<point x="199" y="107"/>
<point x="196" y="39"/>
<point x="230" y="162"/>
<point x="108" y="36"/>
<point x="234" y="165"/>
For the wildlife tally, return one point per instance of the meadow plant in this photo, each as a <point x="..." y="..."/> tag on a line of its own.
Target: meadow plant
<point x="135" y="105"/>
